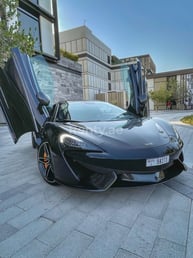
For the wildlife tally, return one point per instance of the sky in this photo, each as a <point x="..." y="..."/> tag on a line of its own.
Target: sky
<point x="161" y="28"/>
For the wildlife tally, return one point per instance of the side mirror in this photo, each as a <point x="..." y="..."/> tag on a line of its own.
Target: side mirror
<point x="43" y="101"/>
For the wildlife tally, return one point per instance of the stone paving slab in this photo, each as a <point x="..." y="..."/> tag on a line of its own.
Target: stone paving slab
<point x="40" y="220"/>
<point x="190" y="236"/>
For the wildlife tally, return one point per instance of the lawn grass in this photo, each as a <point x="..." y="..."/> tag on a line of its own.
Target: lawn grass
<point x="187" y="120"/>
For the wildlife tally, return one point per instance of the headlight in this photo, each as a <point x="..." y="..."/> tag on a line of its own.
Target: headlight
<point x="176" y="133"/>
<point x="175" y="137"/>
<point x="68" y="141"/>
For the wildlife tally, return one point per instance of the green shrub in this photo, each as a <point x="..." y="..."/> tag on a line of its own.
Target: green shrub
<point x="188" y="120"/>
<point x="68" y="55"/>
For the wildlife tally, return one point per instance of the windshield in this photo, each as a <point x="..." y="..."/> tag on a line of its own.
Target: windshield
<point x="91" y="111"/>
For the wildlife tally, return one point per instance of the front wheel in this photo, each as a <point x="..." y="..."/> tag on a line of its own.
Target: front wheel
<point x="45" y="163"/>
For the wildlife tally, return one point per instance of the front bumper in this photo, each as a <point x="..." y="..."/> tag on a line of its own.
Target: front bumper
<point x="99" y="175"/>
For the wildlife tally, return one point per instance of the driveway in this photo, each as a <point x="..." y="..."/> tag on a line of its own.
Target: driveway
<point x="40" y="220"/>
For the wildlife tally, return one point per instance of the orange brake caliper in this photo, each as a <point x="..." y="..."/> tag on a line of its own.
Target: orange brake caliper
<point x="45" y="160"/>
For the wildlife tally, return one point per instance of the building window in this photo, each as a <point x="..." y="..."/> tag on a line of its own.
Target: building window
<point x="108" y="59"/>
<point x="30" y="22"/>
<point x="47" y="5"/>
<point x="109" y="76"/>
<point x="41" y="18"/>
<point x="109" y="86"/>
<point x="68" y="47"/>
<point x="47" y="36"/>
<point x="34" y="1"/>
<point x="79" y="45"/>
<point x="74" y="46"/>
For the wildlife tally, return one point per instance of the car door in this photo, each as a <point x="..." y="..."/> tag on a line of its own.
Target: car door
<point x="22" y="102"/>
<point x="139" y="103"/>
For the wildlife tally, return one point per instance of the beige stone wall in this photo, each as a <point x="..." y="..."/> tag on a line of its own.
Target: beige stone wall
<point x="160" y="82"/>
<point x="117" y="98"/>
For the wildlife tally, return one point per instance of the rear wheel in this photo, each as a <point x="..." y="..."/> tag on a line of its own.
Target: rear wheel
<point x="45" y="163"/>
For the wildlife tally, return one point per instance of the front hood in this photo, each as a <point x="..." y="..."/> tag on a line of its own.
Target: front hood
<point x="135" y="133"/>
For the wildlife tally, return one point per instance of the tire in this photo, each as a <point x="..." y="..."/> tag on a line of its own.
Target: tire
<point x="45" y="163"/>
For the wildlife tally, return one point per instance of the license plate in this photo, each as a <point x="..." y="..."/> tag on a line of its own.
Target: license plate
<point x="157" y="161"/>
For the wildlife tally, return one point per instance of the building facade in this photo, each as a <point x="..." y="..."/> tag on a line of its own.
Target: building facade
<point x="94" y="56"/>
<point x="40" y="16"/>
<point x="101" y="72"/>
<point x="59" y="79"/>
<point x="182" y="80"/>
<point x="146" y="62"/>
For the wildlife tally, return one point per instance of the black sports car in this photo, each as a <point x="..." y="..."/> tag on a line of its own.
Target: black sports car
<point x="90" y="144"/>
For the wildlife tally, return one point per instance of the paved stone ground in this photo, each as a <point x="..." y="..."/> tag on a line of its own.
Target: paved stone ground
<point x="39" y="220"/>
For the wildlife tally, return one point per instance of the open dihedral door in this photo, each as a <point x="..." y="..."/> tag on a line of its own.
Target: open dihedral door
<point x="21" y="99"/>
<point x="138" y="90"/>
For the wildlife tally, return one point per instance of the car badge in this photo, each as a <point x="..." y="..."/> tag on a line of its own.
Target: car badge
<point x="148" y="143"/>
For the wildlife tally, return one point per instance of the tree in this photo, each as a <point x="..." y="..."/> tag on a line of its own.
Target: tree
<point x="172" y="86"/>
<point x="167" y="91"/>
<point x="161" y="95"/>
<point x="11" y="31"/>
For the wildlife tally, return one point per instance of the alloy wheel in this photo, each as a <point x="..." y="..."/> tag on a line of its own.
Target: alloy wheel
<point x="45" y="163"/>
